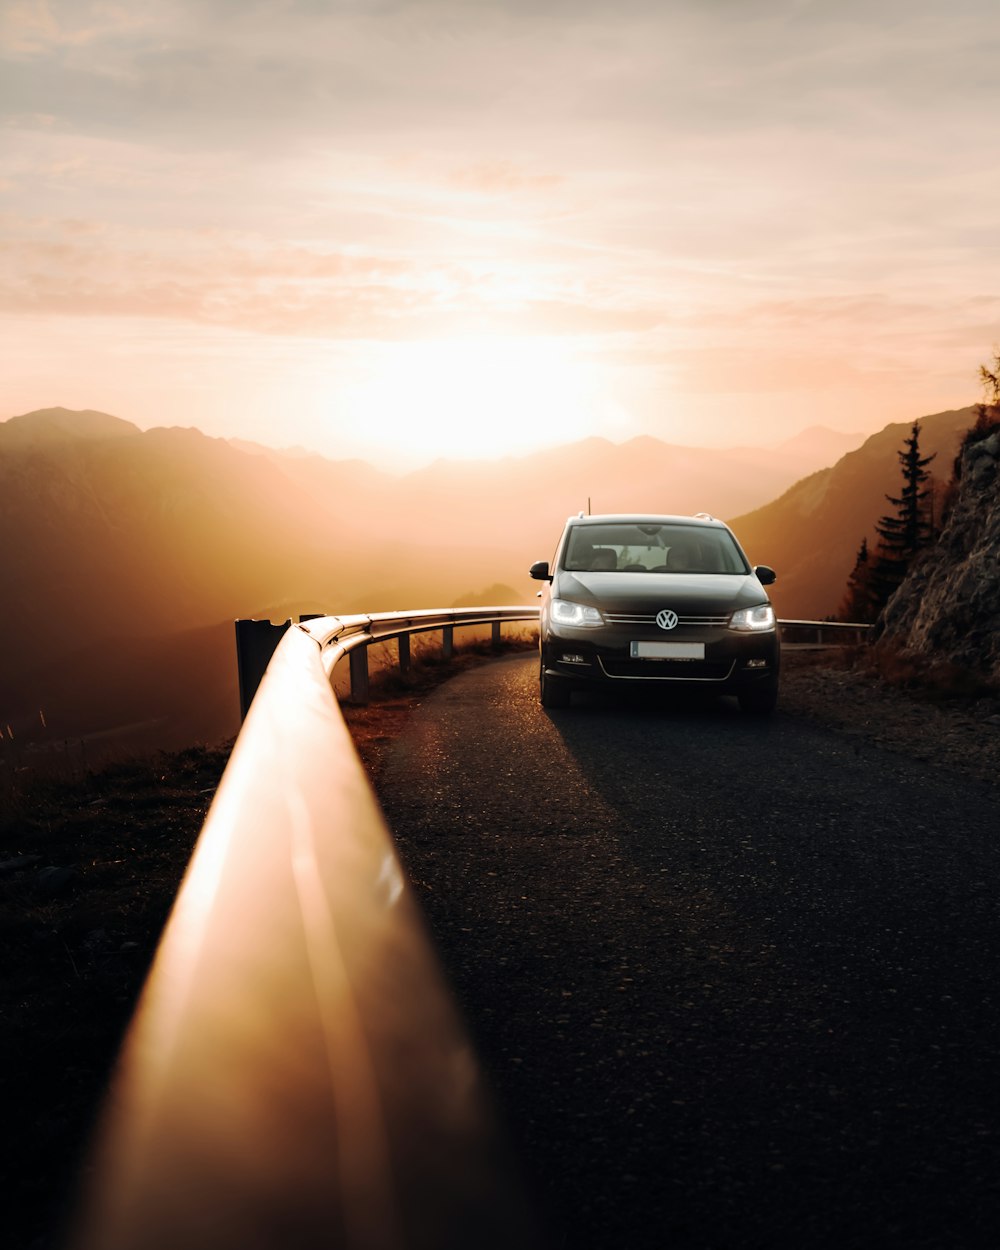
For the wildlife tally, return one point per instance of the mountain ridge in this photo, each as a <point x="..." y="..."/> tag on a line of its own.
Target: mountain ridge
<point x="53" y="423"/>
<point x="50" y="425"/>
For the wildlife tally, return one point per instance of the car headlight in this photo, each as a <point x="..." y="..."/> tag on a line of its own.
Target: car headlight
<point x="578" y="615"/>
<point x="753" y="620"/>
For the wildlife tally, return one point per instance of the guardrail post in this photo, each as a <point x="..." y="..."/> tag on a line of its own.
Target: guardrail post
<point x="403" y="642"/>
<point x="359" y="675"/>
<point x="448" y="641"/>
<point x="495" y="635"/>
<point x="255" y="644"/>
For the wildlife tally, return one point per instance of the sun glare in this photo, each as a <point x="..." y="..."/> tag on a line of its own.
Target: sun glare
<point x="475" y="398"/>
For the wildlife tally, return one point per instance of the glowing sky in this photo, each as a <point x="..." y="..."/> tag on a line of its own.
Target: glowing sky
<point x="404" y="229"/>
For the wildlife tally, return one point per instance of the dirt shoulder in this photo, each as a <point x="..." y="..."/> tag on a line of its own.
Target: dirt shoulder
<point x="89" y="867"/>
<point x="842" y="692"/>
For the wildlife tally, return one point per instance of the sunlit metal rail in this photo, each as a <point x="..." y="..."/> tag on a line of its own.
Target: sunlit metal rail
<point x="353" y="635"/>
<point x="296" y="1075"/>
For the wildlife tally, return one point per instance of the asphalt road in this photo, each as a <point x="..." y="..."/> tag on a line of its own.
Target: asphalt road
<point x="737" y="984"/>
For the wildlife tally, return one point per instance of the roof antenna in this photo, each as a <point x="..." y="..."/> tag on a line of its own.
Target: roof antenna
<point x="588" y="505"/>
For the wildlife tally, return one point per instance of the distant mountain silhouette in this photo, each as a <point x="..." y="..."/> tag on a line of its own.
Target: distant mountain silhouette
<point x="492" y="597"/>
<point x="642" y="474"/>
<point x="116" y="538"/>
<point x="49" y="426"/>
<point x="125" y="550"/>
<point x="811" y="534"/>
<point x="817" y="445"/>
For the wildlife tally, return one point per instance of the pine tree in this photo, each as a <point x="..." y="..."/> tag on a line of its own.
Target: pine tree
<point x="987" y="421"/>
<point x="910" y="528"/>
<point x="990" y="379"/>
<point x="988" y="413"/>
<point x="859" y="602"/>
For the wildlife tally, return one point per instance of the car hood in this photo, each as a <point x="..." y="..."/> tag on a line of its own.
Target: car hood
<point x="690" y="594"/>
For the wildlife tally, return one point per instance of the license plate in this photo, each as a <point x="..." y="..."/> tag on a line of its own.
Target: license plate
<point x="667" y="650"/>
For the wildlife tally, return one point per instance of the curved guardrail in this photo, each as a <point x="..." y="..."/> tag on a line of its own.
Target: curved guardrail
<point x="257" y="640"/>
<point x="354" y="635"/>
<point x="296" y="1075"/>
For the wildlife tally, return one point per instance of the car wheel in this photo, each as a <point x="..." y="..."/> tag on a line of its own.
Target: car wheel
<point x="759" y="700"/>
<point x="553" y="692"/>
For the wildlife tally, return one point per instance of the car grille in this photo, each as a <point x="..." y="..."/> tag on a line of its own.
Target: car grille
<point x="667" y="670"/>
<point x="646" y="618"/>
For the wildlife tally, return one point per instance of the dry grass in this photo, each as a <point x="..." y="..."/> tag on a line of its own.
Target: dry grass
<point x="935" y="679"/>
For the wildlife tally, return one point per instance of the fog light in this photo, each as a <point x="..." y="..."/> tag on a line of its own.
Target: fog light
<point x="571" y="657"/>
<point x="756" y="663"/>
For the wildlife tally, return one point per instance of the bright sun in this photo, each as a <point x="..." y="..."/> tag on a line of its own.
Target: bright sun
<point x="476" y="398"/>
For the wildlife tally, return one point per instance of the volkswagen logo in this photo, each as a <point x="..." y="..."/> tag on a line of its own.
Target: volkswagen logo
<point x="666" y="619"/>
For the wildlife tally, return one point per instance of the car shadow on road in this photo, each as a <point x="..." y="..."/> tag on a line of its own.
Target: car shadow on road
<point x="647" y="755"/>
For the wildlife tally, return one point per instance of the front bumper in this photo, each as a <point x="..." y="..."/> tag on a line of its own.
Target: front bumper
<point x="732" y="660"/>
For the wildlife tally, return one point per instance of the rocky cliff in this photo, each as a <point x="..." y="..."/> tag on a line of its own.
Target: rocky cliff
<point x="947" y="611"/>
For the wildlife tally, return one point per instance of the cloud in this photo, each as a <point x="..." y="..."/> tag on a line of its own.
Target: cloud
<point x="84" y="269"/>
<point x="845" y="346"/>
<point x="30" y="29"/>
<point x="26" y="27"/>
<point x="255" y="75"/>
<point x="501" y="177"/>
<point x="725" y="133"/>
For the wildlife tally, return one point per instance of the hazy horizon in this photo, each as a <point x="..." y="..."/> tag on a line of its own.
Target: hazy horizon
<point x="821" y="435"/>
<point x="411" y="229"/>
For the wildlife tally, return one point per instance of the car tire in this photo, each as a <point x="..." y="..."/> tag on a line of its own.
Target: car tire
<point x="552" y="691"/>
<point x="759" y="700"/>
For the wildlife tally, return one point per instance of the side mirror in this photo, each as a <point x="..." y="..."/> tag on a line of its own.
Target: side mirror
<point x="540" y="571"/>
<point x="765" y="574"/>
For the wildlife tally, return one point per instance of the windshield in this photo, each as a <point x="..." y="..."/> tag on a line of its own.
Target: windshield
<point x="640" y="548"/>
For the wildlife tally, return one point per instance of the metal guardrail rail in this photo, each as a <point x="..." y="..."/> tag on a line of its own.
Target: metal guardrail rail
<point x="826" y="632"/>
<point x="296" y="1075"/>
<point x="353" y="635"/>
